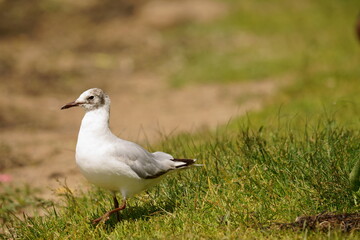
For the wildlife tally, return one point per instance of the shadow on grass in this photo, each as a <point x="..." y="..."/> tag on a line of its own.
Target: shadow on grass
<point x="132" y="213"/>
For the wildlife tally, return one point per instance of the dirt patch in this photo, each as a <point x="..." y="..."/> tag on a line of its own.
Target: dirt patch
<point x="169" y="13"/>
<point x="9" y="159"/>
<point x="345" y="222"/>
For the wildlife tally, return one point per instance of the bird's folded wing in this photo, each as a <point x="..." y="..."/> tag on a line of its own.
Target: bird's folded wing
<point x="145" y="164"/>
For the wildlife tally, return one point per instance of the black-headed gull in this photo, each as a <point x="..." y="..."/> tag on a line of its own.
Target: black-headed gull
<point x="113" y="163"/>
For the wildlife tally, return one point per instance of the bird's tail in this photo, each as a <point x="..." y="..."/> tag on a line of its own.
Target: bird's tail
<point x="184" y="162"/>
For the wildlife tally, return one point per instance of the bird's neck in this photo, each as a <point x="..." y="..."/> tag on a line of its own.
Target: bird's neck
<point x="95" y="122"/>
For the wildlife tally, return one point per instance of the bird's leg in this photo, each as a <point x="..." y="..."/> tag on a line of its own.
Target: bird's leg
<point x="107" y="215"/>
<point x="116" y="205"/>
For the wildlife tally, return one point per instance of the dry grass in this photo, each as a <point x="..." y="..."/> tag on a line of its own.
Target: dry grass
<point x="345" y="222"/>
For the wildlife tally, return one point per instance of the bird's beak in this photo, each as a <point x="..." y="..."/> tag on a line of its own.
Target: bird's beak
<point x="71" y="104"/>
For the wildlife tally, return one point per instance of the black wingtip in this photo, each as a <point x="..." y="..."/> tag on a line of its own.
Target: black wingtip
<point x="186" y="161"/>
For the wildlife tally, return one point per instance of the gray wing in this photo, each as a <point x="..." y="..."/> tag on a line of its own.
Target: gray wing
<point x="145" y="164"/>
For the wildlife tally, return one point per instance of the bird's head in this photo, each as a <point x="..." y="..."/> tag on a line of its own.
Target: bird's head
<point x="91" y="99"/>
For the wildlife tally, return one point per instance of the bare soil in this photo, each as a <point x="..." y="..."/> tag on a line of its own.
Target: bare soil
<point x="345" y="222"/>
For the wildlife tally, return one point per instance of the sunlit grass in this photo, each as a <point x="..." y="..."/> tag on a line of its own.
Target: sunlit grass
<point x="251" y="178"/>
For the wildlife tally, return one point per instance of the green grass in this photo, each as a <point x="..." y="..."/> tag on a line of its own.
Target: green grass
<point x="250" y="180"/>
<point x="15" y="199"/>
<point x="260" y="39"/>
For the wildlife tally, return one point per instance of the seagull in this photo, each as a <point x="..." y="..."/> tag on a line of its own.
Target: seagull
<point x="111" y="162"/>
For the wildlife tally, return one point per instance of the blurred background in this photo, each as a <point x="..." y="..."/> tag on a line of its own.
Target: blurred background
<point x="169" y="66"/>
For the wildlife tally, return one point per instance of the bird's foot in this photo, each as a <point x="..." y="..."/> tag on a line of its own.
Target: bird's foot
<point x="106" y="216"/>
<point x="103" y="218"/>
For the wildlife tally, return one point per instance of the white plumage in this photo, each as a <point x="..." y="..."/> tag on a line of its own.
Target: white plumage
<point x="113" y="163"/>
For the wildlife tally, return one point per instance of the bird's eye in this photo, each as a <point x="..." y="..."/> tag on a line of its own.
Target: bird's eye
<point x="90" y="98"/>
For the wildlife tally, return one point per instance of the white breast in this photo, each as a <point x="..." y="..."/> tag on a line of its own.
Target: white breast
<point x="96" y="157"/>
